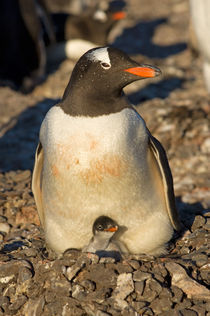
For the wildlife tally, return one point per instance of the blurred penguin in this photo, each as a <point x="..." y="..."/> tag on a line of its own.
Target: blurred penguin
<point x="200" y="14"/>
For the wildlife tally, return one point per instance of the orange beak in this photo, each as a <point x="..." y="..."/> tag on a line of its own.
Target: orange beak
<point x="144" y="71"/>
<point x="118" y="15"/>
<point x="111" y="229"/>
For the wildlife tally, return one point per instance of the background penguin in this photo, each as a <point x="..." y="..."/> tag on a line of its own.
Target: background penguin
<point x="95" y="152"/>
<point x="77" y="33"/>
<point x="200" y="12"/>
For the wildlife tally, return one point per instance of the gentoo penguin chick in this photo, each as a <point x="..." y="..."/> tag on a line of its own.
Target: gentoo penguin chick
<point x="104" y="228"/>
<point x="95" y="153"/>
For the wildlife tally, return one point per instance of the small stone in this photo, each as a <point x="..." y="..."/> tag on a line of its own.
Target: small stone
<point x="146" y="311"/>
<point x="78" y="292"/>
<point x="155" y="286"/>
<point x="134" y="264"/>
<point x="139" y="287"/>
<point x="93" y="257"/>
<point x="188" y="312"/>
<point x="189" y="286"/>
<point x="101" y="313"/>
<point x="200" y="259"/>
<point x="88" y="285"/>
<point x="34" y="306"/>
<point x="20" y="301"/>
<point x="129" y="311"/>
<point x="28" y="214"/>
<point x="200" y="310"/>
<point x="138" y="305"/>
<point x="4" y="227"/>
<point x="161" y="305"/>
<point x="124" y="287"/>
<point x="30" y="252"/>
<point x="24" y="275"/>
<point x="4" y="302"/>
<point x="71" y="272"/>
<point x="198" y="222"/>
<point x="148" y="294"/>
<point x="177" y="294"/>
<point x="107" y="260"/>
<point x="141" y="276"/>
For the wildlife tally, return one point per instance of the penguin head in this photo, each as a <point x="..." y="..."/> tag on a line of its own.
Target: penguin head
<point x="107" y="69"/>
<point x="99" y="77"/>
<point x="104" y="226"/>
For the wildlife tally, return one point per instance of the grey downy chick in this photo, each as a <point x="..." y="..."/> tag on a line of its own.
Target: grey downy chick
<point x="104" y="229"/>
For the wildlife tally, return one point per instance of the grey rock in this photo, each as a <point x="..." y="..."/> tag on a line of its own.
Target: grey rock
<point x="124" y="287"/>
<point x="4" y="227"/>
<point x="161" y="305"/>
<point x="89" y="285"/>
<point x="177" y="294"/>
<point x="24" y="275"/>
<point x="198" y="222"/>
<point x="134" y="264"/>
<point x="155" y="286"/>
<point x="189" y="286"/>
<point x="34" y="307"/>
<point x="19" y="301"/>
<point x="200" y="259"/>
<point x="78" y="292"/>
<point x="146" y="311"/>
<point x="141" y="276"/>
<point x="30" y="252"/>
<point x="139" y="287"/>
<point x="107" y="260"/>
<point x="4" y="302"/>
<point x="71" y="272"/>
<point x="199" y="310"/>
<point x="138" y="305"/>
<point x="188" y="312"/>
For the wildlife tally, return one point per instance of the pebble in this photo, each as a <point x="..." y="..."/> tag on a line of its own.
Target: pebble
<point x="124" y="287"/>
<point x="189" y="286"/>
<point x="198" y="222"/>
<point x="141" y="276"/>
<point x="4" y="227"/>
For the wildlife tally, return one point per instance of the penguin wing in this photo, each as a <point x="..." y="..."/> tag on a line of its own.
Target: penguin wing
<point x="159" y="155"/>
<point x="37" y="181"/>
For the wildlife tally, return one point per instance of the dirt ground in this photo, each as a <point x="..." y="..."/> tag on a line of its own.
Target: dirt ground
<point x="176" y="108"/>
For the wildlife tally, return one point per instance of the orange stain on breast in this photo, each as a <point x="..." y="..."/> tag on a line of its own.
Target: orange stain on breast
<point x="55" y="170"/>
<point x="108" y="165"/>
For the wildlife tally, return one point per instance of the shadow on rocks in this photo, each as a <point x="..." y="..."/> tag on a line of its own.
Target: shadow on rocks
<point x="19" y="143"/>
<point x="188" y="212"/>
<point x="143" y="31"/>
<point x="160" y="90"/>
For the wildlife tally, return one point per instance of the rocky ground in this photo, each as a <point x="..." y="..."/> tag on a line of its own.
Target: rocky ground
<point x="176" y="108"/>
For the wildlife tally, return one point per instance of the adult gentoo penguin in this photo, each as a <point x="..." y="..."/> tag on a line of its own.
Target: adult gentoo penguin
<point x="96" y="153"/>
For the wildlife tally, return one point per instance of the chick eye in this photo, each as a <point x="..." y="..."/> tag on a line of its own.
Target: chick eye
<point x="100" y="227"/>
<point x="105" y="65"/>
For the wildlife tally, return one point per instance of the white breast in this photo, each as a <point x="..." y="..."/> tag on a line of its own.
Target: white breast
<point x="92" y="167"/>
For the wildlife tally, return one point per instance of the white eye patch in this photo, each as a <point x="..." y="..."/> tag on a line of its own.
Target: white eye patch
<point x="100" y="55"/>
<point x="100" y="16"/>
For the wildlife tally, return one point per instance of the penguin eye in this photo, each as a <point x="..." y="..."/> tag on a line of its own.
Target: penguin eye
<point x="100" y="227"/>
<point x="105" y="65"/>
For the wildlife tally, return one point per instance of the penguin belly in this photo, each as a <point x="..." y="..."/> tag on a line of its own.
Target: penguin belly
<point x="101" y="166"/>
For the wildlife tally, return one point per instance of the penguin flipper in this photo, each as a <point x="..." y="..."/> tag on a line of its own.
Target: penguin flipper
<point x="159" y="154"/>
<point x="37" y="181"/>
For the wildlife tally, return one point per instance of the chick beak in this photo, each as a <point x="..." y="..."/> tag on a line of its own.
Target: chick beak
<point x="111" y="229"/>
<point x="144" y="71"/>
<point x="119" y="15"/>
